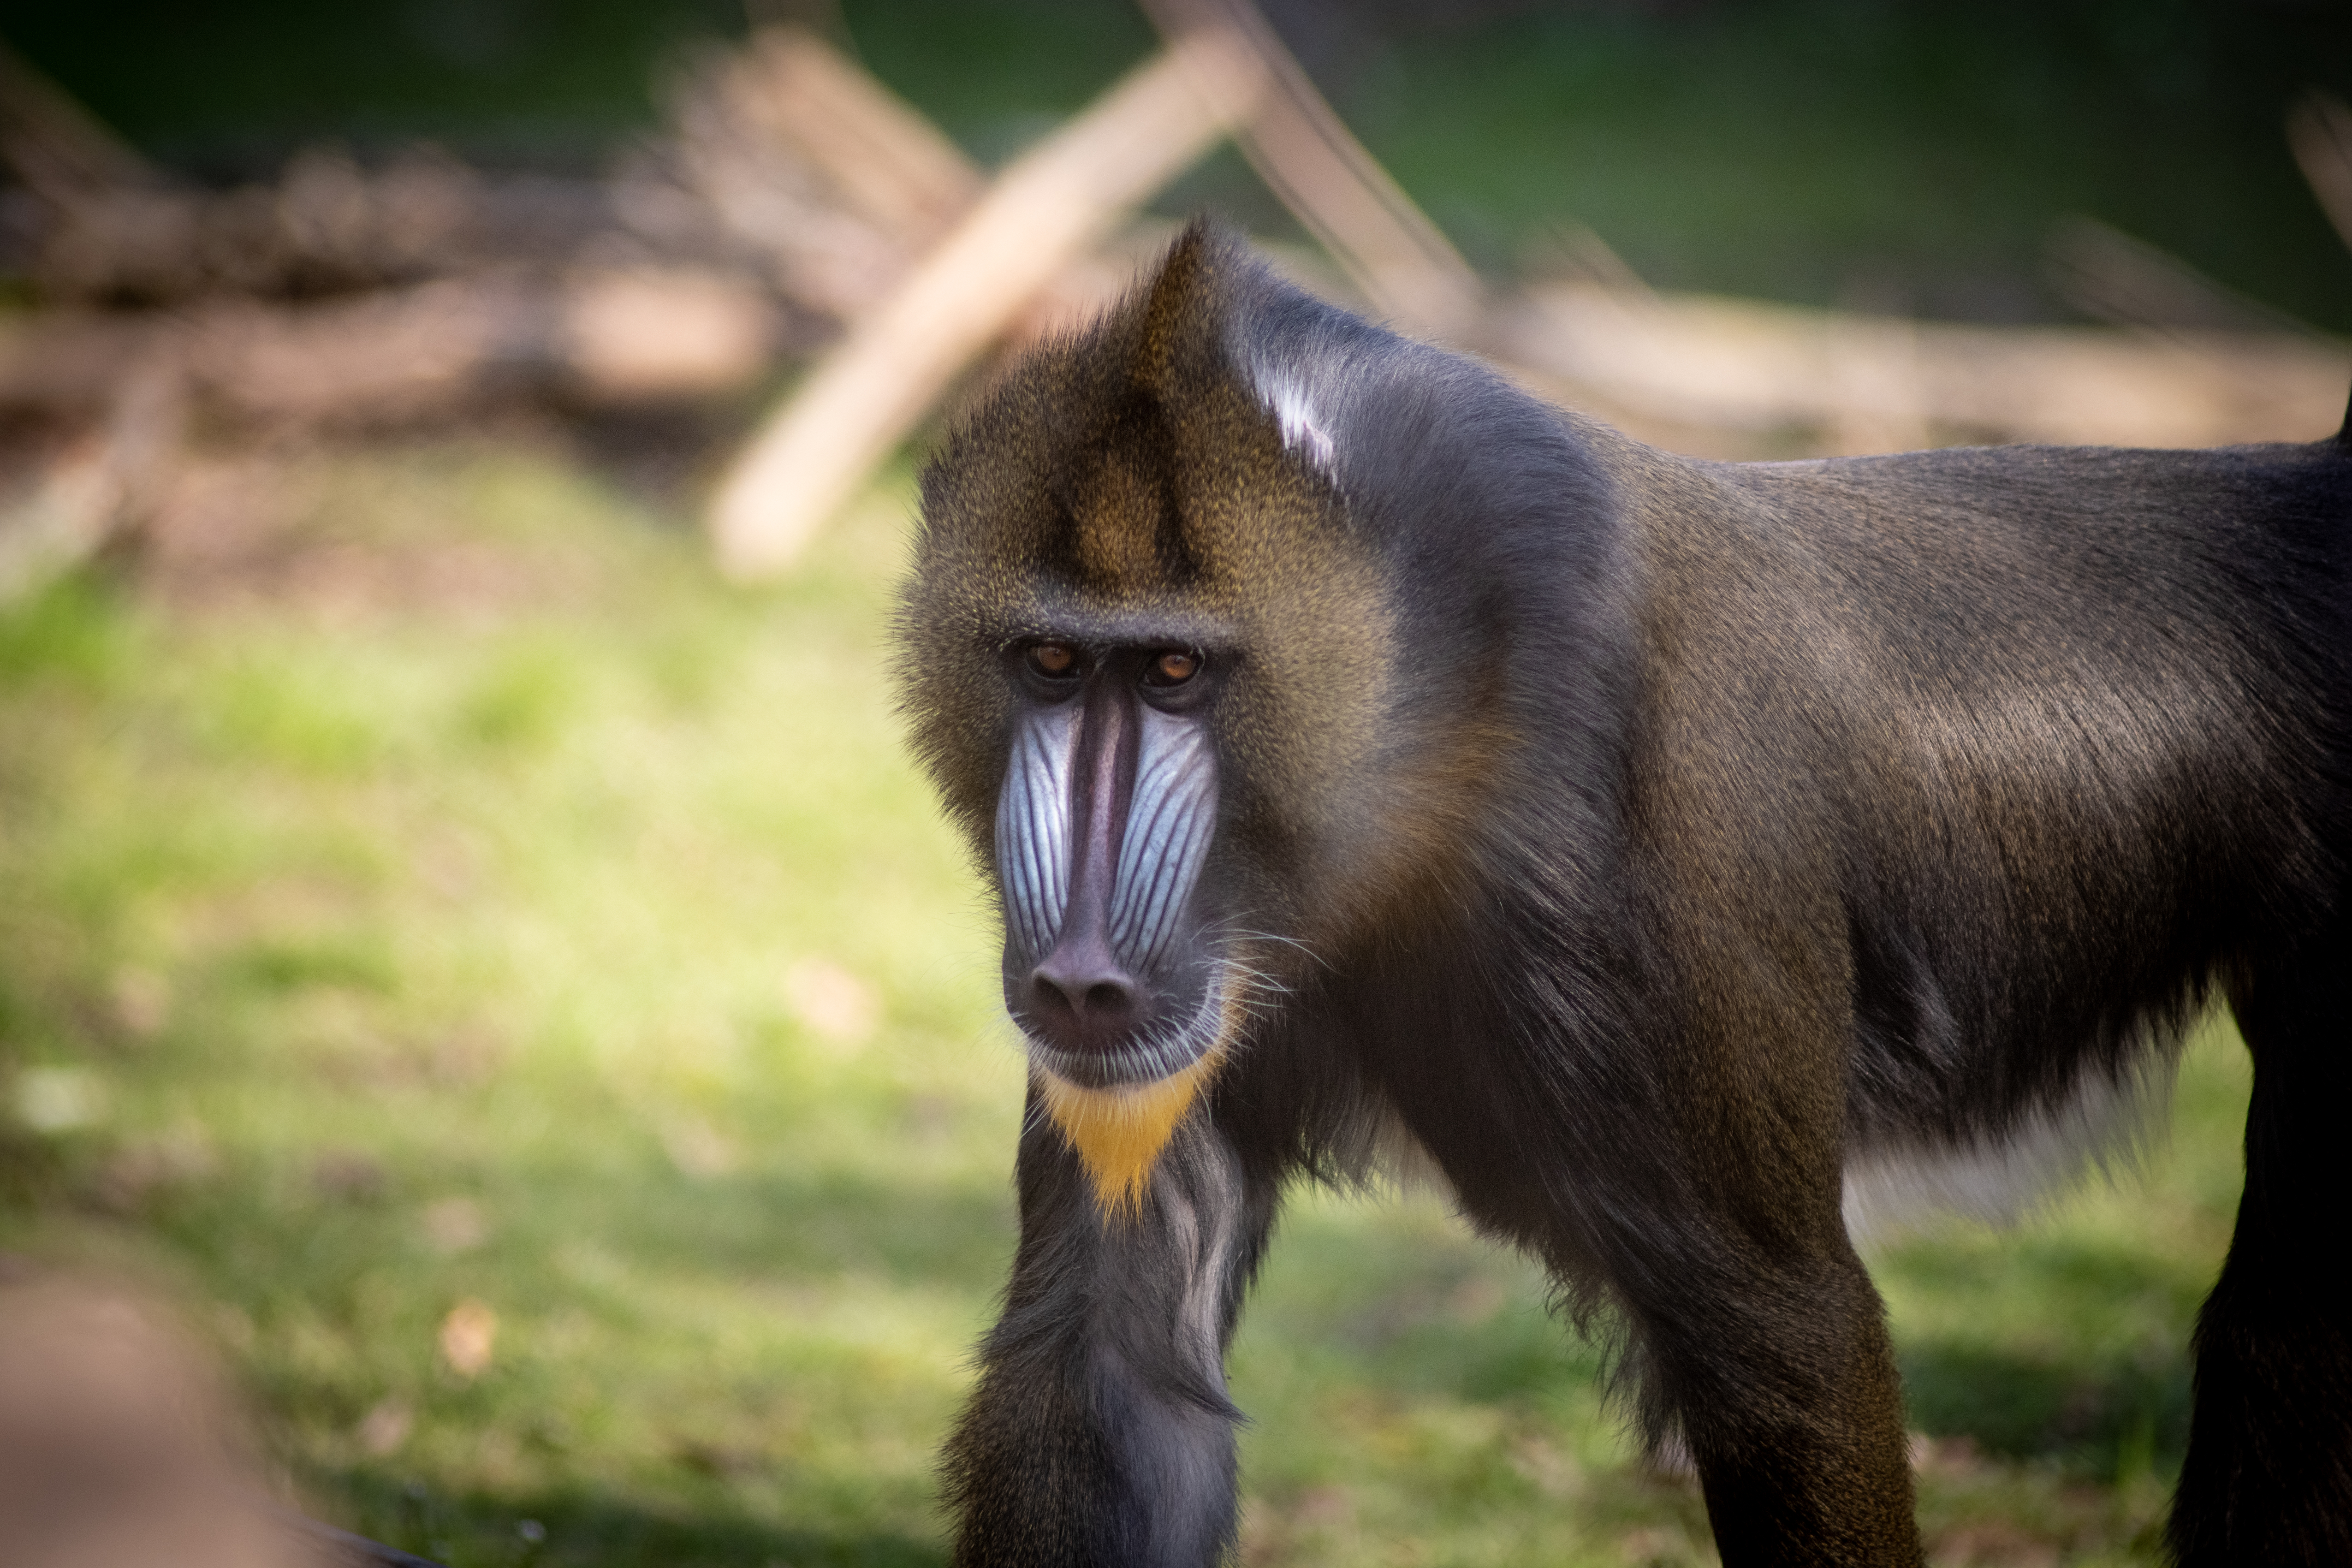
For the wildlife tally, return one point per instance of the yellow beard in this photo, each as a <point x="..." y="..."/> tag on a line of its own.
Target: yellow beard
<point x="1118" y="1133"/>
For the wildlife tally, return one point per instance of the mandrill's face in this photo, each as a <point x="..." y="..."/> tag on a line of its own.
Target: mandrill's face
<point x="1104" y="823"/>
<point x="1145" y="660"/>
<point x="1120" y="965"/>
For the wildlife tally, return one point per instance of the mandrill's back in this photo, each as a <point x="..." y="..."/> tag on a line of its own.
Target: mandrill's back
<point x="2047" y="737"/>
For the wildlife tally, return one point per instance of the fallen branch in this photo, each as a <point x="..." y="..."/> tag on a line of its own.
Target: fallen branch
<point x="1738" y="365"/>
<point x="1311" y="160"/>
<point x="1042" y="213"/>
<point x="329" y="226"/>
<point x="99" y="485"/>
<point x="837" y="185"/>
<point x="881" y="157"/>
<point x="2111" y="277"/>
<point x="609" y="335"/>
<point x="54" y="145"/>
<point x="2320" y="132"/>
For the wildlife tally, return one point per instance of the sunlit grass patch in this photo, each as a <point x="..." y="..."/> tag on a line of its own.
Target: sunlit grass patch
<point x="521" y="992"/>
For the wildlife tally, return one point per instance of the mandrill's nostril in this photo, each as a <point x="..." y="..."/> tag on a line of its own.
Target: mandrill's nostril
<point x="1085" y="998"/>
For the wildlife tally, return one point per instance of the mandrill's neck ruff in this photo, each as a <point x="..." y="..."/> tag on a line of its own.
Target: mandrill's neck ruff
<point x="1145" y="621"/>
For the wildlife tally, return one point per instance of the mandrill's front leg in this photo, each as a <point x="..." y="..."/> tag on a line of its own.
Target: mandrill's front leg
<point x="1100" y="1433"/>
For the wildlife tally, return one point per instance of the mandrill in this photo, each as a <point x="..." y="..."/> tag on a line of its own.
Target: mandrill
<point x="1369" y="756"/>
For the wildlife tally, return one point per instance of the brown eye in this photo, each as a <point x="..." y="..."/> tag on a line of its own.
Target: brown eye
<point x="1054" y="660"/>
<point x="1173" y="669"/>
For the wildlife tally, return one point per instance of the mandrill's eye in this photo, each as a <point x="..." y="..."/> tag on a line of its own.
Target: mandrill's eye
<point x="1174" y="667"/>
<point x="1054" y="660"/>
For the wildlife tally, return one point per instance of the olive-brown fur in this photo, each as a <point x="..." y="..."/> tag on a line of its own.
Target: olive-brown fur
<point x="1651" y="841"/>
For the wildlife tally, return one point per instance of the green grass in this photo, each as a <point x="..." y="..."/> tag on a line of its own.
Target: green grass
<point x="590" y="952"/>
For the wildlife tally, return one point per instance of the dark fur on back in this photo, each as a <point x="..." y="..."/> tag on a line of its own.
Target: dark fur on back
<point x="1657" y="841"/>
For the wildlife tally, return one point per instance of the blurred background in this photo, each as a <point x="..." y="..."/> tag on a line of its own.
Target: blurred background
<point x="474" y="960"/>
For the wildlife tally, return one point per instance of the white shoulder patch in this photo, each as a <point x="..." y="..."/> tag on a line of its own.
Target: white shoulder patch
<point x="1303" y="430"/>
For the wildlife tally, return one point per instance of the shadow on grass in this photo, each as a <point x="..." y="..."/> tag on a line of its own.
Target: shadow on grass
<point x="755" y="1226"/>
<point x="575" y="1529"/>
<point x="2055" y="1350"/>
<point x="908" y="1230"/>
<point x="2104" y="1418"/>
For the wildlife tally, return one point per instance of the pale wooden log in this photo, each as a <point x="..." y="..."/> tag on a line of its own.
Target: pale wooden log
<point x="635" y="336"/>
<point x="814" y="165"/>
<point x="2320" y="132"/>
<point x="1311" y="160"/>
<point x="602" y="335"/>
<point x="595" y="334"/>
<point x="393" y="354"/>
<point x="101" y="484"/>
<point x="2106" y="274"/>
<point x="1731" y="364"/>
<point x="327" y="226"/>
<point x="110" y="224"/>
<point x="70" y="362"/>
<point x="1043" y="212"/>
<point x="54" y="145"/>
<point x="888" y="162"/>
<point x="1872" y="373"/>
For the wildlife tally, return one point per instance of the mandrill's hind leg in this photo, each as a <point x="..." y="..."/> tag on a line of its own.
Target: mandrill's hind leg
<point x="1100" y="1433"/>
<point x="1754" y="1328"/>
<point x="2268" y="1477"/>
<point x="1767" y="1344"/>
